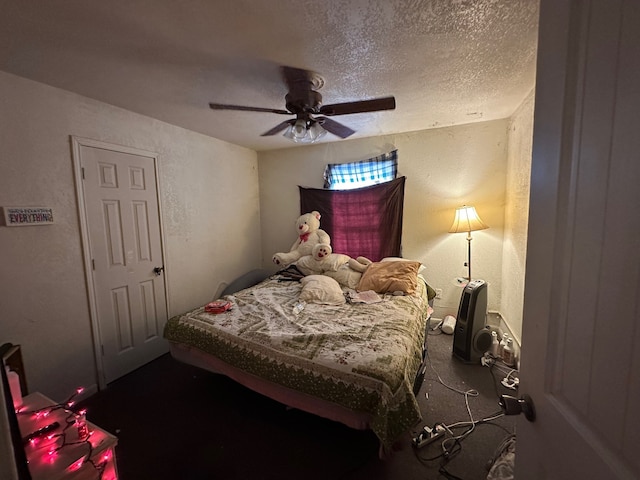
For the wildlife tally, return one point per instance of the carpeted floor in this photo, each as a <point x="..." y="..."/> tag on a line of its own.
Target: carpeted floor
<point x="174" y="421"/>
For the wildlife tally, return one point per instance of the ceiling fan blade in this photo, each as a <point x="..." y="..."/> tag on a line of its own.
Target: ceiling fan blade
<point x="334" y="127"/>
<point x="299" y="79"/>
<point x="373" y="105"/>
<point x="222" y="106"/>
<point x="278" y="128"/>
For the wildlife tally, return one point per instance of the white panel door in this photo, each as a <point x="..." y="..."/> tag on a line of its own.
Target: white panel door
<point x="123" y="224"/>
<point x="581" y="327"/>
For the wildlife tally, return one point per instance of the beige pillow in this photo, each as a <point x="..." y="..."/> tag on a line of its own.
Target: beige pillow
<point x="400" y="259"/>
<point x="390" y="276"/>
<point x="321" y="289"/>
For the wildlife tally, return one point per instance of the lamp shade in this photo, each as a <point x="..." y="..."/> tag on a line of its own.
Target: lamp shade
<point x="467" y="220"/>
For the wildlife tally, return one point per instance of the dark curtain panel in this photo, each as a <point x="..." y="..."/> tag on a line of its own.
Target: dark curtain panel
<point x="362" y="222"/>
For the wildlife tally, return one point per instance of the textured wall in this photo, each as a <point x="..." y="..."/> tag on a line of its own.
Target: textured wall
<point x="445" y="168"/>
<point x="210" y="226"/>
<point x="517" y="215"/>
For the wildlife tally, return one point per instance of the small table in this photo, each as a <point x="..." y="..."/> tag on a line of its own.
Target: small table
<point x="72" y="457"/>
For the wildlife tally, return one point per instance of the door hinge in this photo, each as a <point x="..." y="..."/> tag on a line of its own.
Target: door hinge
<point x="93" y="264"/>
<point x="102" y="349"/>
<point x="82" y="169"/>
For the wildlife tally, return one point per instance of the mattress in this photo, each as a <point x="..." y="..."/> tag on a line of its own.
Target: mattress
<point x="354" y="363"/>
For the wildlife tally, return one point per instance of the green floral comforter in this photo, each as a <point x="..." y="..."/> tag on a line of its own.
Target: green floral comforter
<point x="361" y="356"/>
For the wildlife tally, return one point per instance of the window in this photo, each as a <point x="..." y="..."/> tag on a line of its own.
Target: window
<point x="344" y="176"/>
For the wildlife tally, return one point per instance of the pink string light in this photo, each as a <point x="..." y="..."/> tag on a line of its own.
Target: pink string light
<point x="77" y="465"/>
<point x="101" y="464"/>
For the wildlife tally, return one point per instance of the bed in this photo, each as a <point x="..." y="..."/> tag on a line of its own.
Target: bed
<point x="354" y="362"/>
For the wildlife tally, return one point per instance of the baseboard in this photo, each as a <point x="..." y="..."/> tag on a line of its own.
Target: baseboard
<point x="495" y="319"/>
<point x="443" y="311"/>
<point x="498" y="322"/>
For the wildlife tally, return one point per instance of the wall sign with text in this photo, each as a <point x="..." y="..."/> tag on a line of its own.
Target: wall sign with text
<point x="24" y="216"/>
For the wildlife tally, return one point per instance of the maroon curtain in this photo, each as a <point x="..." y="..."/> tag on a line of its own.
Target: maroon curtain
<point x="362" y="222"/>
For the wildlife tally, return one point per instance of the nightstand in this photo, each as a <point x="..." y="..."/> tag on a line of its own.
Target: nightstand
<point x="72" y="457"/>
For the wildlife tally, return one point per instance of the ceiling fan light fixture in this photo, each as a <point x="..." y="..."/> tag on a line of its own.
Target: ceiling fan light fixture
<point x="316" y="132"/>
<point x="299" y="129"/>
<point x="305" y="102"/>
<point x="305" y="132"/>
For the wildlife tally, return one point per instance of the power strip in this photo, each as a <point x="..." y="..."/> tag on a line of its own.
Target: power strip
<point x="428" y="435"/>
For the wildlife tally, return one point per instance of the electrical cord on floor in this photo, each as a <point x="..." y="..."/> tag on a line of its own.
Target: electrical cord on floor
<point x="443" y="471"/>
<point x="510" y="379"/>
<point x="436" y="329"/>
<point x="452" y="446"/>
<point x="471" y="427"/>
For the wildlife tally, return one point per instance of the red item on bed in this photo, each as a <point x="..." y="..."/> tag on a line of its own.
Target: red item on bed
<point x="219" y="306"/>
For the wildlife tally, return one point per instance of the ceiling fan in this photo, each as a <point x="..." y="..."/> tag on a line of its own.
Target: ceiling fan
<point x="311" y="120"/>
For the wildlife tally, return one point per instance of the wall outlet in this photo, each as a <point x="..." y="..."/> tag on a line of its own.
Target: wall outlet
<point x="438" y="293"/>
<point x="494" y="318"/>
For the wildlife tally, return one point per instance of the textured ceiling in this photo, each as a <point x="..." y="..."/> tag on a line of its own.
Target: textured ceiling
<point x="447" y="62"/>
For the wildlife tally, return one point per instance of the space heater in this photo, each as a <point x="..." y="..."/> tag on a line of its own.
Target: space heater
<point x="470" y="338"/>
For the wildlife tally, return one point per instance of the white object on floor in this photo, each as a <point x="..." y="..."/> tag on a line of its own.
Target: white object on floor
<point x="449" y="324"/>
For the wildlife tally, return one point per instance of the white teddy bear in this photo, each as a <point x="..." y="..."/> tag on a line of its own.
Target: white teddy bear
<point x="309" y="235"/>
<point x="342" y="268"/>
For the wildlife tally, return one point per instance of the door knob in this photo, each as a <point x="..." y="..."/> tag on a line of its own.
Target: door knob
<point x="158" y="270"/>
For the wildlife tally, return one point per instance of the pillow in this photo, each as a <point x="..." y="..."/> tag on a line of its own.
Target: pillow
<point x="400" y="259"/>
<point x="321" y="289"/>
<point x="390" y="276"/>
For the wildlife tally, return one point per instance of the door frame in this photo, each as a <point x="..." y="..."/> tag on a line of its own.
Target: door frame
<point x="76" y="144"/>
